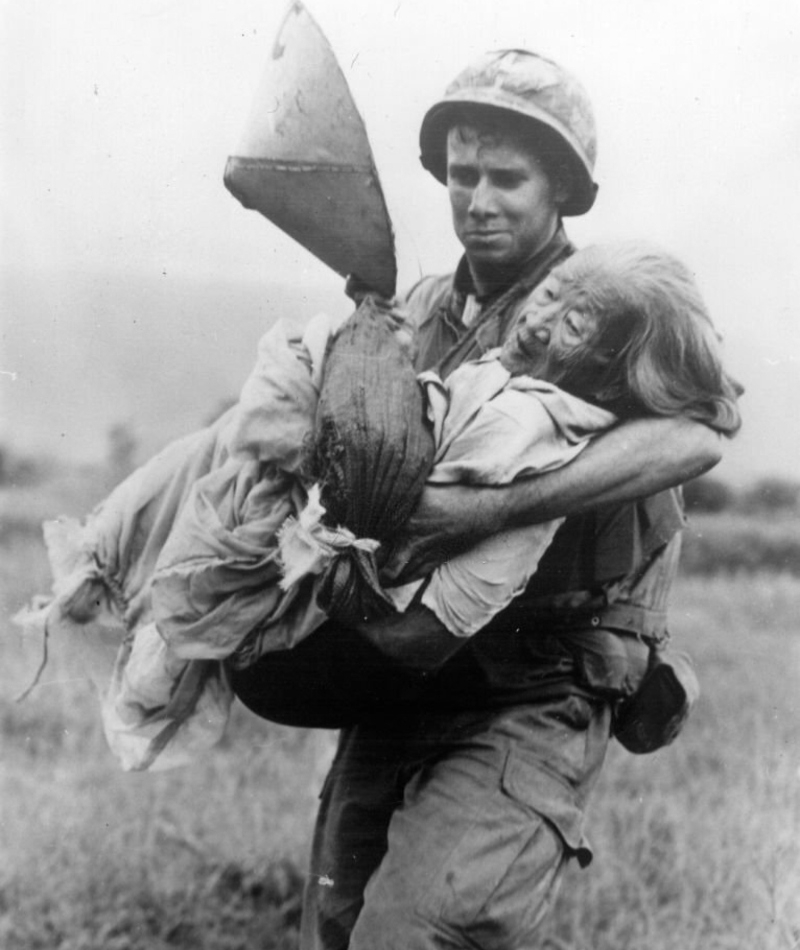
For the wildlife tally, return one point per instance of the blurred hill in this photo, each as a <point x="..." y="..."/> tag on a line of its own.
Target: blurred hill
<point x="158" y="354"/>
<point x="769" y="441"/>
<point x="82" y="353"/>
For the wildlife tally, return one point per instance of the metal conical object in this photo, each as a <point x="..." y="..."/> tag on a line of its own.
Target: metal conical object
<point x="305" y="162"/>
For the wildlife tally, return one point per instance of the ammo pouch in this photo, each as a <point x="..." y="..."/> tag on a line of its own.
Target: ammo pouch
<point x="626" y="660"/>
<point x="654" y="715"/>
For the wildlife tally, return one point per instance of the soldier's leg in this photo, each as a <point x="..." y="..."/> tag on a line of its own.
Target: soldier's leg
<point x="477" y="850"/>
<point x="356" y="804"/>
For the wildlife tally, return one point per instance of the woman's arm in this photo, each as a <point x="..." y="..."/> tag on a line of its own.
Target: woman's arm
<point x="633" y="460"/>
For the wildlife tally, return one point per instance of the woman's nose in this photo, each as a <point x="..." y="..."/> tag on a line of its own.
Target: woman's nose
<point x="538" y="325"/>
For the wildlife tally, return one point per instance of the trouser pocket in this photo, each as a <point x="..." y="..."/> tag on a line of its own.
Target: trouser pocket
<point x="475" y="857"/>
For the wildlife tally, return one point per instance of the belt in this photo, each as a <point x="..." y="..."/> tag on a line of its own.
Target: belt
<point x="642" y="622"/>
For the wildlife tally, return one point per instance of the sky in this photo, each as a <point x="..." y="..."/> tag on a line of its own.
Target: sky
<point x="118" y="116"/>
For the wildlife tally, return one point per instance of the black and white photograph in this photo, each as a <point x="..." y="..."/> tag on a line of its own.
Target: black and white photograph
<point x="399" y="475"/>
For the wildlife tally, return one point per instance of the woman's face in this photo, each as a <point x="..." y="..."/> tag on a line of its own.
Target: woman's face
<point x="548" y="329"/>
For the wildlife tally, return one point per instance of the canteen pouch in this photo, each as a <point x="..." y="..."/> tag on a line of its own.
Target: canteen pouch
<point x="655" y="714"/>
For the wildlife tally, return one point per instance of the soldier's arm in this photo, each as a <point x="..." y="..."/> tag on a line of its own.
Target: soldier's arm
<point x="416" y="639"/>
<point x="633" y="460"/>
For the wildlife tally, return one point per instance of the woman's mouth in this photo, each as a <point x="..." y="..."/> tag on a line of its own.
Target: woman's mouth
<point x="530" y="349"/>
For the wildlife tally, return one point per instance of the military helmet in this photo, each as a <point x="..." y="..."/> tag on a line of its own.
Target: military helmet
<point x="520" y="84"/>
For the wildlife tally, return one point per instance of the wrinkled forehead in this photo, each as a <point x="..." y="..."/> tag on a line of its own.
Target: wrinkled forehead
<point x="554" y="294"/>
<point x="570" y="284"/>
<point x="562" y="287"/>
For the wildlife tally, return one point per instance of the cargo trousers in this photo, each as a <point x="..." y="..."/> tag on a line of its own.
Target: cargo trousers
<point x="452" y="831"/>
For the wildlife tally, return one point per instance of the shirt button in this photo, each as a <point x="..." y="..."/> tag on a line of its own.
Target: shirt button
<point x="595" y="621"/>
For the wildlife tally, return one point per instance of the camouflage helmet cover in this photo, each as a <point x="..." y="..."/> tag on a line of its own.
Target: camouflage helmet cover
<point x="525" y="85"/>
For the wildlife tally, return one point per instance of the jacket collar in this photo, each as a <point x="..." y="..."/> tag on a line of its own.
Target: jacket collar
<point x="464" y="285"/>
<point x="492" y="324"/>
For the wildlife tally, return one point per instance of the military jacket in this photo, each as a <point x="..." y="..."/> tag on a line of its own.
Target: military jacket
<point x="598" y="600"/>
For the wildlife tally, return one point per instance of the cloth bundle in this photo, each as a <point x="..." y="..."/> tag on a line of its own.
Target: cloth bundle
<point x="220" y="548"/>
<point x="101" y="607"/>
<point x="373" y="451"/>
<point x="180" y="567"/>
<point x="242" y="538"/>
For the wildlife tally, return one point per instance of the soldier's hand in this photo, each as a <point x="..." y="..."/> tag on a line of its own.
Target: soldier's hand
<point x="449" y="520"/>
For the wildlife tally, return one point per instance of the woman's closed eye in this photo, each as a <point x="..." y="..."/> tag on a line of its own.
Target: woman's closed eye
<point x="578" y="327"/>
<point x="573" y="326"/>
<point x="545" y="294"/>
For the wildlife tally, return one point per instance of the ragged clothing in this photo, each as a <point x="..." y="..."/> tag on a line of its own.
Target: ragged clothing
<point x="490" y="429"/>
<point x="216" y="548"/>
<point x="171" y="544"/>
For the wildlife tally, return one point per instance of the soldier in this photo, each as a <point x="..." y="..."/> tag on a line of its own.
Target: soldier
<point x="458" y="792"/>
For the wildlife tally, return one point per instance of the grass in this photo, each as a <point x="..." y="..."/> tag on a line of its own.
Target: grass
<point x="697" y="846"/>
<point x="206" y="856"/>
<point x="95" y="859"/>
<point x="741" y="542"/>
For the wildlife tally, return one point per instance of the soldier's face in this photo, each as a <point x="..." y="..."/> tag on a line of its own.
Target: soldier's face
<point x="505" y="208"/>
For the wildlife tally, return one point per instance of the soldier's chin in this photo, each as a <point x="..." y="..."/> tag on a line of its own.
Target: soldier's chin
<point x="492" y="252"/>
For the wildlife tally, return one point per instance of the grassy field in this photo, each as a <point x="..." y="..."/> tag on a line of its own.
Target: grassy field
<point x="697" y="846"/>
